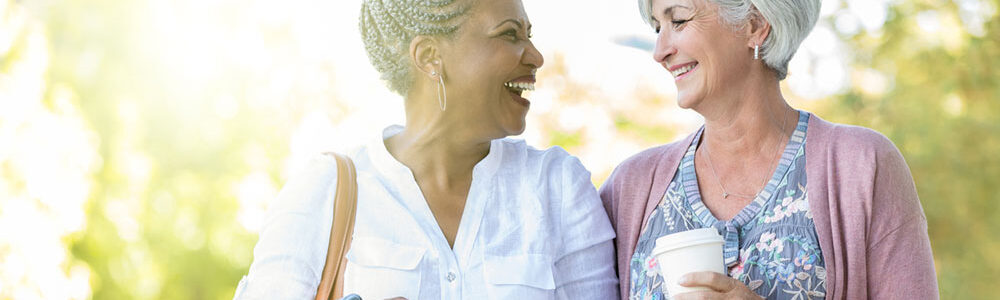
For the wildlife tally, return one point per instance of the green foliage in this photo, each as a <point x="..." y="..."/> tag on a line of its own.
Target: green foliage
<point x="175" y="166"/>
<point x="189" y="243"/>
<point x="943" y="114"/>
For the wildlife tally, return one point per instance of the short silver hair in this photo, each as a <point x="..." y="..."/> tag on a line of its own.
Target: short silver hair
<point x="791" y="21"/>
<point x="388" y="27"/>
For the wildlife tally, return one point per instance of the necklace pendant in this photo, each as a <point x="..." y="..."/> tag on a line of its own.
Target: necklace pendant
<point x="725" y="195"/>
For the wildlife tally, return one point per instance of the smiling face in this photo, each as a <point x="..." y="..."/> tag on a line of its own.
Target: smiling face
<point x="488" y="64"/>
<point x="705" y="55"/>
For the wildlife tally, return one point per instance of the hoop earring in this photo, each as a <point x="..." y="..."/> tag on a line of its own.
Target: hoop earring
<point x="442" y="91"/>
<point x="756" y="52"/>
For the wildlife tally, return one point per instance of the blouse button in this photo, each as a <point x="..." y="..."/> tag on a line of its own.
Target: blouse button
<point x="451" y="277"/>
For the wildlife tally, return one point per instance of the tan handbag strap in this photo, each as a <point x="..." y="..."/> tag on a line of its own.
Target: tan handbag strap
<point x="344" y="208"/>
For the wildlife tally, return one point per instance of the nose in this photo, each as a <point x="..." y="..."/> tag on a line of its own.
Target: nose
<point x="664" y="47"/>
<point x="532" y="56"/>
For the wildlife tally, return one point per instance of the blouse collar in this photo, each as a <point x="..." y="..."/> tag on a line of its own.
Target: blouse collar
<point x="390" y="168"/>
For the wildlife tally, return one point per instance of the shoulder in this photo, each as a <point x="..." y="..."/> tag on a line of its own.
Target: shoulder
<point x="631" y="183"/>
<point x="543" y="162"/>
<point x="318" y="171"/>
<point x="650" y="157"/>
<point x="309" y="187"/>
<point x="869" y="172"/>
<point x="850" y="142"/>
<point x="644" y="163"/>
<point x="874" y="186"/>
<point x="293" y="239"/>
<point x="851" y="136"/>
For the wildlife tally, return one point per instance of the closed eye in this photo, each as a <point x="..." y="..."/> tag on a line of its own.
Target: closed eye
<point x="678" y="23"/>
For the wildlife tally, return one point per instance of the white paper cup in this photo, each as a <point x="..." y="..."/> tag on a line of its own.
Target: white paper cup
<point x="685" y="252"/>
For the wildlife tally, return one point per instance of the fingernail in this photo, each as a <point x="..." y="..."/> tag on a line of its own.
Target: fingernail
<point x="684" y="280"/>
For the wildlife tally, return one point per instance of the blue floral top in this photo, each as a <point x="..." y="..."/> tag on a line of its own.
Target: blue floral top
<point x="771" y="244"/>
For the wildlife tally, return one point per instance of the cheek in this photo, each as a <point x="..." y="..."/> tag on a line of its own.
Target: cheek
<point x="491" y="66"/>
<point x="500" y="59"/>
<point x="714" y="56"/>
<point x="478" y="60"/>
<point x="727" y="62"/>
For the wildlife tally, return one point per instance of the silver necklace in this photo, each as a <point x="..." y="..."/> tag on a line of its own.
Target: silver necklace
<point x="725" y="193"/>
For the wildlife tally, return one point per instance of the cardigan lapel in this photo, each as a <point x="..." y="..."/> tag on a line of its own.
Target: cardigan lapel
<point x="822" y="189"/>
<point x="663" y="172"/>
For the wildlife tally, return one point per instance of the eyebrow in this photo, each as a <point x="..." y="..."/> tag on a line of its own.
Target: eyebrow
<point x="670" y="10"/>
<point x="515" y="21"/>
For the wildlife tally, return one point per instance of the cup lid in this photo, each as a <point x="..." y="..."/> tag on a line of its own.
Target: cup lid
<point x="687" y="238"/>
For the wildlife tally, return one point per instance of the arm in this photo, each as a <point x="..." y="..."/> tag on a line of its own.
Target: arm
<point x="291" y="251"/>
<point x="608" y="197"/>
<point x="586" y="268"/>
<point x="900" y="263"/>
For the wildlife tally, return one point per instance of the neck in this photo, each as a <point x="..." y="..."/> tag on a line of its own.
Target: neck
<point x="749" y="121"/>
<point x="436" y="147"/>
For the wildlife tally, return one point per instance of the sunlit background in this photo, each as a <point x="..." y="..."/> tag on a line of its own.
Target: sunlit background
<point x="141" y="141"/>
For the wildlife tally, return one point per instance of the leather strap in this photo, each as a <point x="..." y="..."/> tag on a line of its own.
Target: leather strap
<point x="344" y="208"/>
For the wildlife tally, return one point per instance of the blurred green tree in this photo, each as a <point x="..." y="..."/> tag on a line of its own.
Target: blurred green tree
<point x="179" y="157"/>
<point x="942" y="111"/>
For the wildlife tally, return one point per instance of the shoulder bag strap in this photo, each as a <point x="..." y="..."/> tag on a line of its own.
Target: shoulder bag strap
<point x="344" y="208"/>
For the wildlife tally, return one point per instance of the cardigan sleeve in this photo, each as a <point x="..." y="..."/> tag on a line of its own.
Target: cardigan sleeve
<point x="626" y="195"/>
<point x="900" y="264"/>
<point x="608" y="196"/>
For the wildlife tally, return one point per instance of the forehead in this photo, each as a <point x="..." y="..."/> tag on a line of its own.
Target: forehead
<point x="665" y="7"/>
<point x="493" y="12"/>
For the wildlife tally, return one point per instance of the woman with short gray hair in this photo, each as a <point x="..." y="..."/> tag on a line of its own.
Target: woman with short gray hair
<point x="855" y="229"/>
<point x="447" y="207"/>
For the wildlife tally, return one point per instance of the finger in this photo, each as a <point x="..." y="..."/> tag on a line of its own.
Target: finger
<point x="698" y="295"/>
<point x="712" y="280"/>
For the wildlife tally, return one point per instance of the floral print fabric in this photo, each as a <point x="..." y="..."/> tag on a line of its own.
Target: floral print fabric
<point x="771" y="245"/>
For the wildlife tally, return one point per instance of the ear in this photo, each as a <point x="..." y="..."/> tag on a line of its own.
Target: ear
<point x="426" y="55"/>
<point x="757" y="30"/>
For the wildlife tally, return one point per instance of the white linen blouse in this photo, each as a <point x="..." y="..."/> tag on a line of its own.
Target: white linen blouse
<point x="533" y="228"/>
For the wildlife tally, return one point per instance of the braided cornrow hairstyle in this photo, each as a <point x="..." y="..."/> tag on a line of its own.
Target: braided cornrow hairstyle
<point x="388" y="27"/>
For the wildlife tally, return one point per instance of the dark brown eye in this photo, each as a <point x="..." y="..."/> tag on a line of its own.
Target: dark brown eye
<point x="512" y="34"/>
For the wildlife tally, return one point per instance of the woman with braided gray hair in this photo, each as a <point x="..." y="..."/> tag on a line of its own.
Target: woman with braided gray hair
<point x="854" y="230"/>
<point x="447" y="207"/>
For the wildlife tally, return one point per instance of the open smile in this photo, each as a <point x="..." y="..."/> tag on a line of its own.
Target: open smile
<point x="517" y="87"/>
<point x="681" y="71"/>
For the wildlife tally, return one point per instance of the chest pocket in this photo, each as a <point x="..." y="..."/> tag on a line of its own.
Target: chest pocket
<point x="526" y="276"/>
<point x="381" y="269"/>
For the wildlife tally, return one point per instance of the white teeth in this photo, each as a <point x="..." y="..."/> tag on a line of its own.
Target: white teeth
<point x="523" y="86"/>
<point x="683" y="70"/>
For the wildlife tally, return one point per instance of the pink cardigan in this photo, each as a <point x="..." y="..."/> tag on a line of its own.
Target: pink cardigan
<point x="871" y="227"/>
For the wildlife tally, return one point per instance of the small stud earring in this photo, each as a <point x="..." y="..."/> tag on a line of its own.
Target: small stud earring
<point x="434" y="73"/>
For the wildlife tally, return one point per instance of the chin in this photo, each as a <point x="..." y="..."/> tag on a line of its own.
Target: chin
<point x="512" y="126"/>
<point x="685" y="102"/>
<point x="515" y="130"/>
